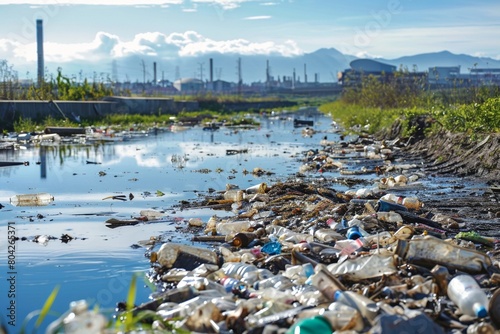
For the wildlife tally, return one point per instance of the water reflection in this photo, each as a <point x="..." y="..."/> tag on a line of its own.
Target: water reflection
<point x="80" y="176"/>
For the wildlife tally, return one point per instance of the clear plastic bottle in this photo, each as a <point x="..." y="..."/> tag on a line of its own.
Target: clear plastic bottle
<point x="40" y="199"/>
<point x="227" y="228"/>
<point x="235" y="195"/>
<point x="237" y="269"/>
<point x="389" y="217"/>
<point x="343" y="317"/>
<point x="429" y="251"/>
<point x="349" y="246"/>
<point x="279" y="282"/>
<point x="79" y="320"/>
<point x="151" y="214"/>
<point x="365" y="306"/>
<point x="392" y="198"/>
<point x="412" y="203"/>
<point x="464" y="291"/>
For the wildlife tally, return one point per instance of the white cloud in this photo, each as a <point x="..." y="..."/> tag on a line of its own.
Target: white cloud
<point x="92" y="2"/>
<point x="262" y="17"/>
<point x="154" y="44"/>
<point x="224" y="4"/>
<point x="240" y="46"/>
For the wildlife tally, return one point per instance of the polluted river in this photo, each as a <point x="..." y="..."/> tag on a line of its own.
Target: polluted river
<point x="272" y="228"/>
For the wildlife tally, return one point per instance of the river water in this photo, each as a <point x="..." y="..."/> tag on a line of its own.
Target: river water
<point x="98" y="264"/>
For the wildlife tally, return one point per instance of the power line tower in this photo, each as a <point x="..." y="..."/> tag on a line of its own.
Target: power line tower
<point x="143" y="72"/>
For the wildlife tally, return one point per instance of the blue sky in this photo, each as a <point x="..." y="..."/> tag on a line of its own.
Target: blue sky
<point x="98" y="30"/>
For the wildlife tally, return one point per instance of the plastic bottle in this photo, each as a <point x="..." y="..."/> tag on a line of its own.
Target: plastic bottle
<point x="481" y="328"/>
<point x="412" y="203"/>
<point x="385" y="206"/>
<point x="327" y="235"/>
<point x="325" y="282"/>
<point x="365" y="306"/>
<point x="260" y="188"/>
<point x="230" y="283"/>
<point x="226" y="228"/>
<point x="237" y="269"/>
<point x="343" y="317"/>
<point x="389" y="217"/>
<point x="392" y="198"/>
<point x="279" y="282"/>
<point x="243" y="239"/>
<point x="349" y="246"/>
<point x="79" y="320"/>
<point x="235" y="195"/>
<point x="354" y="233"/>
<point x="184" y="256"/>
<point x="40" y="199"/>
<point x="464" y="291"/>
<point x="429" y="251"/>
<point x="151" y="214"/>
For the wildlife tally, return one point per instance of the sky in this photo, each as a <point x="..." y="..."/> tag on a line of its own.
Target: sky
<point x="79" y="33"/>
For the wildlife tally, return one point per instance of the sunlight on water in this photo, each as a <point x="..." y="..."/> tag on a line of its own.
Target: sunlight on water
<point x="156" y="172"/>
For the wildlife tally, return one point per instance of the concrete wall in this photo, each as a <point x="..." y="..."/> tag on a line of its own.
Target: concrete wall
<point x="10" y="110"/>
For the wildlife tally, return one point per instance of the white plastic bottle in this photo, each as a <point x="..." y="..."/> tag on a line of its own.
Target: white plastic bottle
<point x="464" y="291"/>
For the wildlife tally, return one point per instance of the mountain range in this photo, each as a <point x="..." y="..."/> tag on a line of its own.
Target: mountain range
<point x="321" y="65"/>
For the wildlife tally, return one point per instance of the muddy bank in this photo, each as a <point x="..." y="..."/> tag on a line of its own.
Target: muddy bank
<point x="461" y="155"/>
<point x="469" y="165"/>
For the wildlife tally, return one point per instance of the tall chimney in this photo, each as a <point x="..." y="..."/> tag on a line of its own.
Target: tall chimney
<point x="211" y="70"/>
<point x="305" y="74"/>
<point x="39" y="42"/>
<point x="154" y="75"/>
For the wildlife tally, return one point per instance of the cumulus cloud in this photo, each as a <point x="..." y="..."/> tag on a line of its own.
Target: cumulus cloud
<point x="152" y="44"/>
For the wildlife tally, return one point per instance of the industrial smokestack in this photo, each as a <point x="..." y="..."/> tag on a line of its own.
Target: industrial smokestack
<point x="305" y="74"/>
<point x="211" y="70"/>
<point x="154" y="73"/>
<point x="39" y="42"/>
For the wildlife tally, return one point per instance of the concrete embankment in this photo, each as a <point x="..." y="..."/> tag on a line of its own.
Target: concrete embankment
<point x="10" y="110"/>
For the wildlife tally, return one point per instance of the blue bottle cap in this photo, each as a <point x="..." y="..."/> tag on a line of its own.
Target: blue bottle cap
<point x="353" y="233"/>
<point x="337" y="295"/>
<point x="480" y="311"/>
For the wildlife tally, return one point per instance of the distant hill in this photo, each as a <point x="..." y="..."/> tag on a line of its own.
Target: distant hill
<point x="425" y="61"/>
<point x="322" y="64"/>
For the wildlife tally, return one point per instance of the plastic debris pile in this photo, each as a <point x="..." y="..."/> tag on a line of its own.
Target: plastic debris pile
<point x="299" y="257"/>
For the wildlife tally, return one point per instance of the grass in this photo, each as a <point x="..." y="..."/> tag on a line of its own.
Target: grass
<point x="126" y="321"/>
<point x="471" y="118"/>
